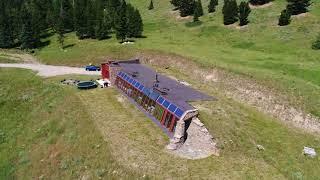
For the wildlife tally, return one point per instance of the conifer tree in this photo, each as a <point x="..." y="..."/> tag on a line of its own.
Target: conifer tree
<point x="60" y="29"/>
<point x="151" y="5"/>
<point x="285" y="18"/>
<point x="139" y="24"/>
<point x="121" y="23"/>
<point x="27" y="34"/>
<point x="103" y="25"/>
<point x="67" y="15"/>
<point x="91" y="13"/>
<point x="244" y="11"/>
<point x="80" y="18"/>
<point x="230" y="12"/>
<point x="259" y="2"/>
<point x="186" y="7"/>
<point x="199" y="7"/>
<point x="212" y="6"/>
<point x="6" y="36"/>
<point x="296" y="7"/>
<point x="316" y="43"/>
<point x="196" y="14"/>
<point x="176" y="4"/>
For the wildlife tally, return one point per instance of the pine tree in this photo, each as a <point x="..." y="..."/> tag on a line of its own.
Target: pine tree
<point x="151" y="5"/>
<point x="186" y="7"/>
<point x="6" y="36"/>
<point x="121" y="22"/>
<point x="91" y="14"/>
<point x="230" y="12"/>
<point x="196" y="13"/>
<point x="316" y="44"/>
<point x="296" y="7"/>
<point x="199" y="7"/>
<point x="67" y="15"/>
<point x="259" y="2"/>
<point x="131" y="19"/>
<point x="176" y="4"/>
<point x="60" y="29"/>
<point x="80" y="18"/>
<point x="139" y="24"/>
<point x="285" y="18"/>
<point x="27" y="34"/>
<point x="103" y="25"/>
<point x="244" y="11"/>
<point x="212" y="6"/>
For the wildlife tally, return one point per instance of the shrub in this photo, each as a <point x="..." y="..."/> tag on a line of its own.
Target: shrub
<point x="296" y="7"/>
<point x="316" y="44"/>
<point x="259" y="2"/>
<point x="230" y="12"/>
<point x="212" y="6"/>
<point x="285" y="18"/>
<point x="244" y="11"/>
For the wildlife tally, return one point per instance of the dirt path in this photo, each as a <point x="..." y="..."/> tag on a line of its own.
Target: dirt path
<point x="49" y="70"/>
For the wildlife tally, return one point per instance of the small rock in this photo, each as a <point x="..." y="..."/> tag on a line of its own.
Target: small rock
<point x="260" y="147"/>
<point x="41" y="177"/>
<point x="309" y="152"/>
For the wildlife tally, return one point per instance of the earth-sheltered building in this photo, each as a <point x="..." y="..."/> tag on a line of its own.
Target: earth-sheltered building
<point x="161" y="97"/>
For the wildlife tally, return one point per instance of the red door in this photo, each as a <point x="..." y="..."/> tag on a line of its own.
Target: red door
<point x="105" y="71"/>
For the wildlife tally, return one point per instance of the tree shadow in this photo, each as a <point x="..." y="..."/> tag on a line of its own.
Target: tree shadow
<point x="43" y="44"/>
<point x="68" y="46"/>
<point x="193" y="24"/>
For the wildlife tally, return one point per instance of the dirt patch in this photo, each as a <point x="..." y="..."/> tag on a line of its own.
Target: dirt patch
<point x="240" y="88"/>
<point x="260" y="6"/>
<point x="302" y="15"/>
<point x="199" y="144"/>
<point x="20" y="57"/>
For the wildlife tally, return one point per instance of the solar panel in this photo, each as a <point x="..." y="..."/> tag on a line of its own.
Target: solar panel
<point x="146" y="91"/>
<point x="119" y="73"/>
<point x="154" y="96"/>
<point x="127" y="78"/>
<point x="178" y="112"/>
<point x="122" y="74"/>
<point x="130" y="80"/>
<point x="133" y="82"/>
<point x="160" y="100"/>
<point x="141" y="87"/>
<point x="137" y="84"/>
<point x="166" y="103"/>
<point x="172" y="108"/>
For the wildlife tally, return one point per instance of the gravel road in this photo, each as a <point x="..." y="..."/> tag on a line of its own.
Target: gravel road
<point x="49" y="70"/>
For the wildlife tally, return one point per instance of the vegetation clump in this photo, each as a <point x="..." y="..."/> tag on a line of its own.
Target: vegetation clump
<point x="296" y="7"/>
<point x="316" y="43"/>
<point x="186" y="7"/>
<point x="151" y="5"/>
<point x="285" y="18"/>
<point x="230" y="12"/>
<point x="259" y="2"/>
<point x="24" y="22"/>
<point x="244" y="11"/>
<point x="212" y="6"/>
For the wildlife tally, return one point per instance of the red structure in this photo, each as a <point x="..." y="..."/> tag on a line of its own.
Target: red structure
<point x="105" y="72"/>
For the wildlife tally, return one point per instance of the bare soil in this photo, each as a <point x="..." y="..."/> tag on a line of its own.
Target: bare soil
<point x="260" y="6"/>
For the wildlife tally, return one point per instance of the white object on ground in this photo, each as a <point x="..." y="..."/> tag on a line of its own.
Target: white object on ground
<point x="260" y="147"/>
<point x="103" y="82"/>
<point x="49" y="70"/>
<point x="309" y="151"/>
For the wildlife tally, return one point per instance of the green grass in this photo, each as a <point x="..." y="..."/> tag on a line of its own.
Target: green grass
<point x="55" y="131"/>
<point x="46" y="132"/>
<point x="279" y="57"/>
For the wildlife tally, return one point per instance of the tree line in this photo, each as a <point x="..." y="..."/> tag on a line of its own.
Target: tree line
<point x="232" y="12"/>
<point x="24" y="22"/>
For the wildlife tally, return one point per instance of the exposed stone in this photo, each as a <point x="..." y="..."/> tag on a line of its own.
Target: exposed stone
<point x="260" y="147"/>
<point x="309" y="152"/>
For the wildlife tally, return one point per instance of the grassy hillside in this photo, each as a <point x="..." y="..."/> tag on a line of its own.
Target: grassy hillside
<point x="46" y="133"/>
<point x="50" y="131"/>
<point x="280" y="57"/>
